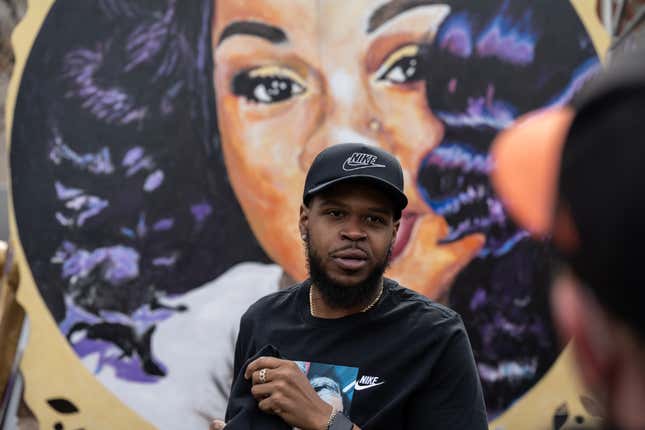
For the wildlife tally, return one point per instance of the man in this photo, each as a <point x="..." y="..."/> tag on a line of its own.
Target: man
<point x="576" y="174"/>
<point x="402" y="361"/>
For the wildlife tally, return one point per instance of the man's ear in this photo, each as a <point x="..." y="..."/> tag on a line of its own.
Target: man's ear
<point x="579" y="317"/>
<point x="303" y="222"/>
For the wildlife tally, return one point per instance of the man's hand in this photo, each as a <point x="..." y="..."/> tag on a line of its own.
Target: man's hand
<point x="217" y="425"/>
<point x="285" y="391"/>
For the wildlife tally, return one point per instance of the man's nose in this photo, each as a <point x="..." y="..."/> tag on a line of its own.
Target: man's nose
<point x="353" y="230"/>
<point x="346" y="115"/>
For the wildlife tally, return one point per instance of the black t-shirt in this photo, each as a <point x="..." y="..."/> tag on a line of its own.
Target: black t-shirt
<point x="404" y="364"/>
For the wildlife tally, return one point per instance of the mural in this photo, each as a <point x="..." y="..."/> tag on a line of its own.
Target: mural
<point x="158" y="153"/>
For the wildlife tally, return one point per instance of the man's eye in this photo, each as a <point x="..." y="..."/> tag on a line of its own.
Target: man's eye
<point x="335" y="214"/>
<point x="267" y="85"/>
<point x="402" y="66"/>
<point x="375" y="219"/>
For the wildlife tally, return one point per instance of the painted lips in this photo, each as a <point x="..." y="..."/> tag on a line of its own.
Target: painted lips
<point x="408" y="220"/>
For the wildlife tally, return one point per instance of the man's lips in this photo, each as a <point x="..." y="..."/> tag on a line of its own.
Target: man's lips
<point x="408" y="220"/>
<point x="350" y="259"/>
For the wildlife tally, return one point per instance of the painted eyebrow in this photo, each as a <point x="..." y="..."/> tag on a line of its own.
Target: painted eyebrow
<point x="253" y="28"/>
<point x="393" y="8"/>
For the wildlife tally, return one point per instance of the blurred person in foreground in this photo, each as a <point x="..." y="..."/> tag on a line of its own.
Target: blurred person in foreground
<point x="576" y="175"/>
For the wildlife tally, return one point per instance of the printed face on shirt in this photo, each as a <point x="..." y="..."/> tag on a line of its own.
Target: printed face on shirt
<point x="289" y="83"/>
<point x="350" y="227"/>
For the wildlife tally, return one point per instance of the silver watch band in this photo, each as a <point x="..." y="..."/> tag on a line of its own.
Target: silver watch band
<point x="340" y="422"/>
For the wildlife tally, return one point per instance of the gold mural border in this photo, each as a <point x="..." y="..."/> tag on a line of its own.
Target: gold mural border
<point x="46" y="362"/>
<point x="47" y="358"/>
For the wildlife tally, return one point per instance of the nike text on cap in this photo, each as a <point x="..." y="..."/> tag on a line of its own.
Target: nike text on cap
<point x="357" y="162"/>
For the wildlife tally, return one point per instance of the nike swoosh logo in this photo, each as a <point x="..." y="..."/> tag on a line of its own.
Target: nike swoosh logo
<point x="360" y="387"/>
<point x="349" y="166"/>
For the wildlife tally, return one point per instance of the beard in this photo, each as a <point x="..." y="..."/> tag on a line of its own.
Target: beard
<point x="344" y="296"/>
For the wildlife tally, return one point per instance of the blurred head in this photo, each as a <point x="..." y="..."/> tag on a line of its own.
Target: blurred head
<point x="293" y="78"/>
<point x="575" y="174"/>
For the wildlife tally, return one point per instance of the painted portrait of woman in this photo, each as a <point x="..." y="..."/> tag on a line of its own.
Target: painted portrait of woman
<point x="159" y="150"/>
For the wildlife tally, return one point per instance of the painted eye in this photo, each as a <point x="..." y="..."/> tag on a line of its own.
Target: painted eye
<point x="402" y="66"/>
<point x="267" y="85"/>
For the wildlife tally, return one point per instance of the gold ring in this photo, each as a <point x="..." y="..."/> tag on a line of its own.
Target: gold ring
<point x="263" y="376"/>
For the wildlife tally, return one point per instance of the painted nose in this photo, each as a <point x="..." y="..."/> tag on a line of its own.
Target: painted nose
<point x="346" y="114"/>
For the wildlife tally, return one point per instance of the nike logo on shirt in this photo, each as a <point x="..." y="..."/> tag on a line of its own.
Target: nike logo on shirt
<point x="366" y="382"/>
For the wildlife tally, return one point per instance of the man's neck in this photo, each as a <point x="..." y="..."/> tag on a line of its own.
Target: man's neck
<point x="319" y="308"/>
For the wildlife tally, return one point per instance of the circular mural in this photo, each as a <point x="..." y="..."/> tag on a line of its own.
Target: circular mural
<point x="158" y="154"/>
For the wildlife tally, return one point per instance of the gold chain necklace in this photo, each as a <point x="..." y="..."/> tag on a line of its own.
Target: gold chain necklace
<point x="365" y="309"/>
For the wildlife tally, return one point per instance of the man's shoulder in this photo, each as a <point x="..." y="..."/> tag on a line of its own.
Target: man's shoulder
<point x="274" y="302"/>
<point x="419" y="307"/>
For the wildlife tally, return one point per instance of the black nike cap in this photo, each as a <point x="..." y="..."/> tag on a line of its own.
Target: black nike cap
<point x="357" y="162"/>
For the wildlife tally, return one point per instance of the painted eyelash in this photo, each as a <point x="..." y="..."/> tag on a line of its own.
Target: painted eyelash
<point x="411" y="50"/>
<point x="264" y="84"/>
<point x="271" y="71"/>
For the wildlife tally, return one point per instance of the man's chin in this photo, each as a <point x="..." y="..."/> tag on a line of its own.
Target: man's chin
<point x="347" y="281"/>
<point x="341" y="288"/>
<point x="347" y="293"/>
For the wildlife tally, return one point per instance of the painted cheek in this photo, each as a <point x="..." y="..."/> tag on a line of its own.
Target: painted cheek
<point x="265" y="182"/>
<point x="264" y="150"/>
<point x="426" y="131"/>
<point x="410" y="126"/>
<point x="413" y="143"/>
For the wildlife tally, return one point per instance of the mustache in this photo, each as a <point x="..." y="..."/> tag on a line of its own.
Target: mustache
<point x="353" y="245"/>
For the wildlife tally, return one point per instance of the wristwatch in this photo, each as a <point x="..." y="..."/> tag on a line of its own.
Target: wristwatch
<point x="338" y="421"/>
